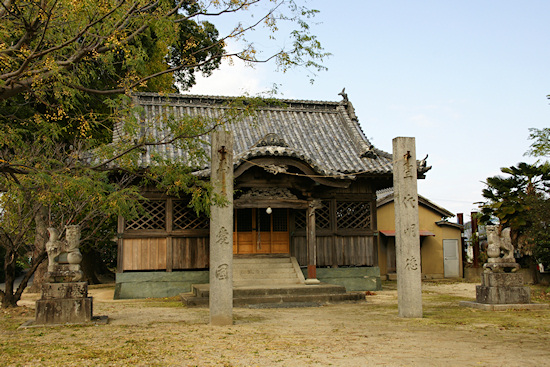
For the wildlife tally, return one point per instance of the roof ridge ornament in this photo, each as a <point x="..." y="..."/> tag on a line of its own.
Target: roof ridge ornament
<point x="271" y="140"/>
<point x="369" y="153"/>
<point x="423" y="164"/>
<point x="348" y="106"/>
<point x="344" y="95"/>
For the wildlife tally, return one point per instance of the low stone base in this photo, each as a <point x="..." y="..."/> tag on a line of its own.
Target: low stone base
<point x="502" y="279"/>
<point x="503" y="295"/>
<point x="312" y="281"/>
<point x="64" y="290"/>
<point x="502" y="288"/>
<point x="365" y="278"/>
<point x="517" y="306"/>
<point x="157" y="284"/>
<point x="63" y="311"/>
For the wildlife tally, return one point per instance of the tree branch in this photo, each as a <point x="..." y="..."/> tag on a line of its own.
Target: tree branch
<point x="36" y="262"/>
<point x="158" y="143"/>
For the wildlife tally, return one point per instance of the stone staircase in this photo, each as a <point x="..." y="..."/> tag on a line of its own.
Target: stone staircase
<point x="266" y="271"/>
<point x="272" y="282"/>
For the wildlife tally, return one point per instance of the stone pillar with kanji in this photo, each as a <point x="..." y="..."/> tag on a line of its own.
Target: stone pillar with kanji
<point x="221" y="230"/>
<point x="407" y="232"/>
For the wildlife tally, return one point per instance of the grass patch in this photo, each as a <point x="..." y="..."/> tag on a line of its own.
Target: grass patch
<point x="540" y="294"/>
<point x="247" y="319"/>
<point x="441" y="309"/>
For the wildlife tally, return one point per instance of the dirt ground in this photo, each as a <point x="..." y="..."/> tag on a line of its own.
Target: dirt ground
<point x="160" y="332"/>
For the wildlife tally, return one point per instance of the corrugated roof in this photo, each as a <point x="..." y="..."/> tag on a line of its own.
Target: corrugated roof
<point x="319" y="133"/>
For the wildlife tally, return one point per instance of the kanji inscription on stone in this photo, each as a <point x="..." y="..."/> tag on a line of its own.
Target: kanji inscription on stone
<point x="222" y="238"/>
<point x="410" y="231"/>
<point x="221" y="235"/>
<point x="221" y="272"/>
<point x="411" y="263"/>
<point x="409" y="200"/>
<point x="407" y="236"/>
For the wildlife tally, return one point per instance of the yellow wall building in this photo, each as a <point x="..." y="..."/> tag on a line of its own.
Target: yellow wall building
<point x="440" y="240"/>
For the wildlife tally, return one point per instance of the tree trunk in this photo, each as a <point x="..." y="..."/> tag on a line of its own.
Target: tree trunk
<point x="40" y="240"/>
<point x="8" y="299"/>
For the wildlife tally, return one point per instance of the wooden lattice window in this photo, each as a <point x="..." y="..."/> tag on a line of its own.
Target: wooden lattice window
<point x="280" y="220"/>
<point x="353" y="215"/>
<point x="153" y="218"/>
<point x="322" y="218"/>
<point x="300" y="219"/>
<point x="263" y="220"/>
<point x="186" y="218"/>
<point x="243" y="220"/>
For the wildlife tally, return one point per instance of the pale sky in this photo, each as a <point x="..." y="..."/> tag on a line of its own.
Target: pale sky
<point x="465" y="78"/>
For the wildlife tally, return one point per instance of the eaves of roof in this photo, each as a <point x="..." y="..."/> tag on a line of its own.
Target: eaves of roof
<point x="387" y="196"/>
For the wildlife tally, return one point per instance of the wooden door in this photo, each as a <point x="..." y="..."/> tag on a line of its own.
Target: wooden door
<point x="257" y="232"/>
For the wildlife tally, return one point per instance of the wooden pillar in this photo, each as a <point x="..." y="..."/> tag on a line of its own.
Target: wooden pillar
<point x="221" y="231"/>
<point x="460" y="218"/>
<point x="475" y="240"/>
<point x="169" y="221"/>
<point x="407" y="233"/>
<point x="312" y="243"/>
<point x="120" y="245"/>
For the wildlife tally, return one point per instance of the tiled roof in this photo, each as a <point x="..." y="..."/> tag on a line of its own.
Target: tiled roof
<point x="321" y="134"/>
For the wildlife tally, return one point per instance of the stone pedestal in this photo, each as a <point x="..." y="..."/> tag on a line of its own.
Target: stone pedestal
<point x="502" y="288"/>
<point x="63" y="303"/>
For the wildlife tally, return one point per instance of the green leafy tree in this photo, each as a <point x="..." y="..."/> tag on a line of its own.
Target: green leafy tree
<point x="539" y="234"/>
<point x="67" y="72"/>
<point x="519" y="200"/>
<point x="53" y="185"/>
<point x="540" y="147"/>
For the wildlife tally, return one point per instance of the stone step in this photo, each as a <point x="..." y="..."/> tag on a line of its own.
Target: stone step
<point x="276" y="274"/>
<point x="266" y="282"/>
<point x="265" y="271"/>
<point x="280" y="300"/>
<point x="202" y="290"/>
<point x="262" y="267"/>
<point x="278" y="296"/>
<point x="260" y="259"/>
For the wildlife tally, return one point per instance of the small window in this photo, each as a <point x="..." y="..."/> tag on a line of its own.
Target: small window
<point x="280" y="220"/>
<point x="264" y="219"/>
<point x="243" y="221"/>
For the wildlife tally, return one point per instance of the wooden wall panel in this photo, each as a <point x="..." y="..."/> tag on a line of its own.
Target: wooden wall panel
<point x="337" y="250"/>
<point x="190" y="253"/>
<point x="325" y="251"/>
<point x="298" y="249"/>
<point x="144" y="254"/>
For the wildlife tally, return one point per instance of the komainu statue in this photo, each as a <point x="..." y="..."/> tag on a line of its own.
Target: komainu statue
<point x="64" y="257"/>
<point x="500" y="251"/>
